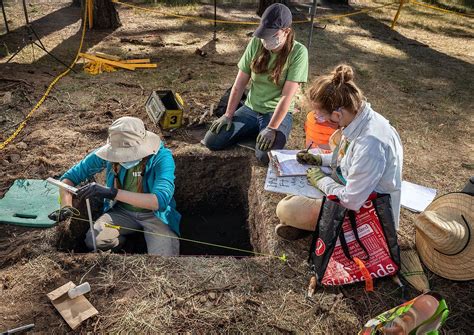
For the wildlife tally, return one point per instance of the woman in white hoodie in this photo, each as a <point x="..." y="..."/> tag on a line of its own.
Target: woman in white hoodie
<point x="368" y="158"/>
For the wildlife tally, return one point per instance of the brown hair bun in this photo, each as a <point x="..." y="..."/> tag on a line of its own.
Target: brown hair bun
<point x="334" y="90"/>
<point x="342" y="74"/>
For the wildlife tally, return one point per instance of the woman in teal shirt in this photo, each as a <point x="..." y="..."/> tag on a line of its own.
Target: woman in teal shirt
<point x="138" y="193"/>
<point x="276" y="65"/>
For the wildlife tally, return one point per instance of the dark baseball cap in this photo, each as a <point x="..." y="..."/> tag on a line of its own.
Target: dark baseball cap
<point x="274" y="18"/>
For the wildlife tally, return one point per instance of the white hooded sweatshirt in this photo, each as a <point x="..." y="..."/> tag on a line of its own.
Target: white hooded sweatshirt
<point x="370" y="158"/>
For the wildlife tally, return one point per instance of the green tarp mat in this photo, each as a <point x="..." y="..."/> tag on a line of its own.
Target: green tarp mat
<point x="28" y="203"/>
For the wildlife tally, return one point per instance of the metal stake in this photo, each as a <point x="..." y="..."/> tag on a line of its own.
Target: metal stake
<point x="30" y="31"/>
<point x="89" y="213"/>
<point x="4" y="16"/>
<point x="21" y="329"/>
<point x="313" y="13"/>
<point x="215" y="20"/>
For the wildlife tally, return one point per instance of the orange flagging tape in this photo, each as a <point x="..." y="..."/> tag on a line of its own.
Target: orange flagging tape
<point x="369" y="283"/>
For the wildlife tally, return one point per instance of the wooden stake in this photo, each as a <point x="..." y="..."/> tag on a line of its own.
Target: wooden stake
<point x="395" y="19"/>
<point x="110" y="62"/>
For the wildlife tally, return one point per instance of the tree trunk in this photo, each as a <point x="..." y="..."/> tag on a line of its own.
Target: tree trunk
<point x="105" y="15"/>
<point x="263" y="4"/>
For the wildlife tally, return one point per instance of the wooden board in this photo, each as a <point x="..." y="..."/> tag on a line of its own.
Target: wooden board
<point x="57" y="293"/>
<point x="74" y="311"/>
<point x="144" y="66"/>
<point x="107" y="56"/>
<point x="106" y="61"/>
<point x="136" y="61"/>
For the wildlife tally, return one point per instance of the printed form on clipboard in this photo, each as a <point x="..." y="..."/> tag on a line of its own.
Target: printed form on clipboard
<point x="286" y="165"/>
<point x="296" y="185"/>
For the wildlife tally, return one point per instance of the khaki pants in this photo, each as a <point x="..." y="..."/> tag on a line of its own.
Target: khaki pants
<point x="299" y="211"/>
<point x="107" y="238"/>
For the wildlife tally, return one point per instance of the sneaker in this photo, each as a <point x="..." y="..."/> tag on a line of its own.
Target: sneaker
<point x="290" y="233"/>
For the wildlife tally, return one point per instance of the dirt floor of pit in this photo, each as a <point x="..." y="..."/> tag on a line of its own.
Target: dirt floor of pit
<point x="419" y="76"/>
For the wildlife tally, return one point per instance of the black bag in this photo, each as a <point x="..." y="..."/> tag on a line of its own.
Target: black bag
<point x="222" y="105"/>
<point x="350" y="246"/>
<point x="469" y="188"/>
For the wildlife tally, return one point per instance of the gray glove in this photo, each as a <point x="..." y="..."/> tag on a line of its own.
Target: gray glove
<point x="63" y="214"/>
<point x="96" y="191"/>
<point x="314" y="175"/>
<point x="219" y="123"/>
<point x="304" y="157"/>
<point x="266" y="138"/>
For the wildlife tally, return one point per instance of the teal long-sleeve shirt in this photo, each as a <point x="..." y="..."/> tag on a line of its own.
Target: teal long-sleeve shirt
<point x="158" y="180"/>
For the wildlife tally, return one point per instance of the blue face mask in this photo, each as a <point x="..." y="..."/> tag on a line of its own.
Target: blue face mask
<point x="129" y="165"/>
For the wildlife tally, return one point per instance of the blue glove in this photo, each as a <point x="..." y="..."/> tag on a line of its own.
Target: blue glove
<point x="96" y="191"/>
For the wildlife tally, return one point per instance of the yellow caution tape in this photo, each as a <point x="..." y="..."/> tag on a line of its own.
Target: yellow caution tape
<point x="95" y="67"/>
<point x="366" y="10"/>
<point x="48" y="90"/>
<point x="112" y="226"/>
<point x="189" y="17"/>
<point x="441" y="9"/>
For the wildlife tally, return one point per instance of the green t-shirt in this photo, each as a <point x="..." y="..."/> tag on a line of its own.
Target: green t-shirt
<point x="264" y="95"/>
<point x="130" y="183"/>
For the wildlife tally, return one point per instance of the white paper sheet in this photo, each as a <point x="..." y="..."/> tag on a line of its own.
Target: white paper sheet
<point x="289" y="166"/>
<point x="298" y="185"/>
<point x="416" y="197"/>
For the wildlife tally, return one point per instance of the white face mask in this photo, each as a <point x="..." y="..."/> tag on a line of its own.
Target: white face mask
<point x="272" y="43"/>
<point x="129" y="165"/>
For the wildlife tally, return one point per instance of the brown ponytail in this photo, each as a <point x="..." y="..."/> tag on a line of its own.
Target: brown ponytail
<point x="116" y="169"/>
<point x="142" y="174"/>
<point x="335" y="90"/>
<point x="260" y="62"/>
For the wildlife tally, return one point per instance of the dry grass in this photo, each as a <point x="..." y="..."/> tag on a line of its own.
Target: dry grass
<point x="419" y="76"/>
<point x="151" y="295"/>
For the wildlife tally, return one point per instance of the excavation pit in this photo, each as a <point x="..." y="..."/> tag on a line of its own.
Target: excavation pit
<point x="212" y="196"/>
<point x="216" y="228"/>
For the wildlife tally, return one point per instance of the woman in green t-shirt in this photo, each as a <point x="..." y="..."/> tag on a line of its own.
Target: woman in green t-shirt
<point x="275" y="64"/>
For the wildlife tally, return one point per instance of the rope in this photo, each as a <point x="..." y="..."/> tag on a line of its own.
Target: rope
<point x="321" y="18"/>
<point x="50" y="87"/>
<point x="366" y="10"/>
<point x="87" y="17"/>
<point x="283" y="257"/>
<point x="441" y="9"/>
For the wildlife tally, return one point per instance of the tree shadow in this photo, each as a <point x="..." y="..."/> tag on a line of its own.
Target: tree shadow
<point x="40" y="73"/>
<point x="418" y="69"/>
<point x="43" y="26"/>
<point x="461" y="27"/>
<point x="459" y="6"/>
<point x="47" y="25"/>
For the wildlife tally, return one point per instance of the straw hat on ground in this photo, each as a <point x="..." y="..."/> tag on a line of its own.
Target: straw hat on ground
<point x="128" y="141"/>
<point x="444" y="236"/>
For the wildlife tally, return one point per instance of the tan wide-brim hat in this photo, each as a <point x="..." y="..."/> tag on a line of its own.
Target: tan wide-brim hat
<point x="129" y="141"/>
<point x="444" y="236"/>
